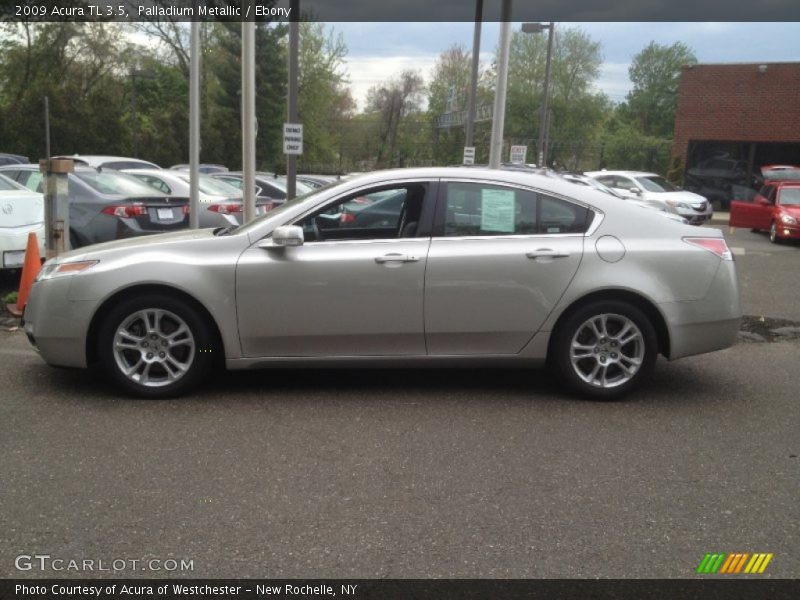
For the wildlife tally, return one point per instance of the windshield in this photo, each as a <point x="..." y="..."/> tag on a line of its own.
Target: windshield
<point x="654" y="183"/>
<point x="284" y="207"/>
<point x="790" y="196"/>
<point x="107" y="182"/>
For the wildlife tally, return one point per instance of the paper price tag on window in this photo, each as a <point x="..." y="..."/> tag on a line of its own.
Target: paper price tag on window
<point x="498" y="209"/>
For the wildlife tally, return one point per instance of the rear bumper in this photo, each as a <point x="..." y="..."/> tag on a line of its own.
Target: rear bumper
<point x="708" y="324"/>
<point x="15" y="239"/>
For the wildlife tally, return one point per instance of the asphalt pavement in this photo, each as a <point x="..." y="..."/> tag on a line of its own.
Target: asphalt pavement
<point x="416" y="473"/>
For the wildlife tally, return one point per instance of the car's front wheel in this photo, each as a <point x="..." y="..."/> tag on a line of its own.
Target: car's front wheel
<point x="155" y="346"/>
<point x="605" y="349"/>
<point x="773" y="233"/>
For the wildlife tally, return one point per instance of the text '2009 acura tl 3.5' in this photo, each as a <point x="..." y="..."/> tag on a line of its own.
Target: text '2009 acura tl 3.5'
<point x="478" y="267"/>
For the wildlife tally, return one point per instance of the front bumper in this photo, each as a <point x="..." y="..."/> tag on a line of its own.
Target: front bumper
<point x="57" y="326"/>
<point x="694" y="217"/>
<point x="787" y="232"/>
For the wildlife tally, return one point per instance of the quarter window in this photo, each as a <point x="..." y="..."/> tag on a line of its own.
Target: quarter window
<point x="473" y="209"/>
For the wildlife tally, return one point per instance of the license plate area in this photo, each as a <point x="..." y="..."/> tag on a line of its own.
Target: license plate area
<point x="13" y="259"/>
<point x="165" y="214"/>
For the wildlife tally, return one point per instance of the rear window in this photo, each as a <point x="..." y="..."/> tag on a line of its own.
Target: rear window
<point x="120" y="184"/>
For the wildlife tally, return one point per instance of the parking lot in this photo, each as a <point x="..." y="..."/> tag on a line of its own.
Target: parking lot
<point x="416" y="473"/>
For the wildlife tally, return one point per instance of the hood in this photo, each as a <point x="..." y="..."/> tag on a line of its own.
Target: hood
<point x="19" y="208"/>
<point x="136" y="243"/>
<point x="792" y="209"/>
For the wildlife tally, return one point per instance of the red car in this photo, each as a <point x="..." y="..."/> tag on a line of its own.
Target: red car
<point x="776" y="207"/>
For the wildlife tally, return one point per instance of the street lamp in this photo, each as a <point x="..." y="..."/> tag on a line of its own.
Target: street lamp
<point x="544" y="129"/>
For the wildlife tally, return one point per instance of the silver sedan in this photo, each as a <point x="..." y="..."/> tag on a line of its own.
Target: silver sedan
<point x="440" y="266"/>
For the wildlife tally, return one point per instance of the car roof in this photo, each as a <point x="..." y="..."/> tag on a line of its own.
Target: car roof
<point x="98" y="160"/>
<point x="620" y="172"/>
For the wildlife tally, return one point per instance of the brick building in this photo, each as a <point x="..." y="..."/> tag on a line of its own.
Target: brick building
<point x="733" y="118"/>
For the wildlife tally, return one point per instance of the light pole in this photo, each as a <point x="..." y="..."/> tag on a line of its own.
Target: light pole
<point x="544" y="128"/>
<point x="498" y="118"/>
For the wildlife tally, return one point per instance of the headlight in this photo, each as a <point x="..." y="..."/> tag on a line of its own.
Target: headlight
<point x="50" y="270"/>
<point x="788" y="219"/>
<point x="676" y="204"/>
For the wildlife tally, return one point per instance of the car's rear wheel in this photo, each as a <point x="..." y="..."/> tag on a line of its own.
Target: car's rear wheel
<point x="155" y="346"/>
<point x="773" y="234"/>
<point x="605" y="349"/>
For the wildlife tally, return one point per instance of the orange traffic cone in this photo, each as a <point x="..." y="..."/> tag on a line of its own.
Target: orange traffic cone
<point x="33" y="262"/>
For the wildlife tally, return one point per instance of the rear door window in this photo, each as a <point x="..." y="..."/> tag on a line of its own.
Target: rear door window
<point x="478" y="209"/>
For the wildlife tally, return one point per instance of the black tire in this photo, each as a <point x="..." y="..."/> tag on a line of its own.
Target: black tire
<point x="181" y="368"/>
<point x="773" y="233"/>
<point x="619" y="382"/>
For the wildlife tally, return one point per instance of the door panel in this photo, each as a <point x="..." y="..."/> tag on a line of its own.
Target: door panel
<point x="491" y="295"/>
<point x="347" y="298"/>
<point x="754" y="215"/>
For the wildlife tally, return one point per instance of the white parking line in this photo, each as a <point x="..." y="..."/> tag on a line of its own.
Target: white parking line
<point x="738" y="251"/>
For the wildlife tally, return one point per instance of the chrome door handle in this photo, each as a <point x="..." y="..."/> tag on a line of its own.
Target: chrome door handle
<point x="395" y="258"/>
<point x="546" y="253"/>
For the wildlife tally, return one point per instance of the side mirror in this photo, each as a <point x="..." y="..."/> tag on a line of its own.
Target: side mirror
<point x="635" y="190"/>
<point x="288" y="235"/>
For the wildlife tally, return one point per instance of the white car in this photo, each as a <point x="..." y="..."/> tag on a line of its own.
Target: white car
<point x="653" y="189"/>
<point x="21" y="212"/>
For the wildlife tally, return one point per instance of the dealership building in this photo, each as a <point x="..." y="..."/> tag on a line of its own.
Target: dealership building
<point x="733" y="118"/>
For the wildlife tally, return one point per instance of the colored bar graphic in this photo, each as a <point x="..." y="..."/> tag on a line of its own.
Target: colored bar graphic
<point x="734" y="563"/>
<point x="767" y="558"/>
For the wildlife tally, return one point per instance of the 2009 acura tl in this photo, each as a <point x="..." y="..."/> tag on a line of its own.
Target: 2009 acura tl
<point x="459" y="267"/>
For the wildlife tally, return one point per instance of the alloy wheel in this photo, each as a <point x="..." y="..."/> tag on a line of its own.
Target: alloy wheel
<point x="607" y="350"/>
<point x="154" y="347"/>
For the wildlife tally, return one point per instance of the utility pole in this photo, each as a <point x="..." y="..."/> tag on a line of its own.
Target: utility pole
<point x="249" y="118"/>
<point x="546" y="102"/>
<point x="194" y="127"/>
<point x="473" y="86"/>
<point x="498" y="120"/>
<point x="294" y="37"/>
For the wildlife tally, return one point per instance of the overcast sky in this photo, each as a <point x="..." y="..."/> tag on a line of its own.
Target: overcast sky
<point x="377" y="51"/>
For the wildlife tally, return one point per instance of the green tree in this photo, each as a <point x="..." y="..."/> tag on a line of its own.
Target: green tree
<point x="77" y="66"/>
<point x="396" y="107"/>
<point x="448" y="91"/>
<point x="324" y="100"/>
<point x="577" y="110"/>
<point x="655" y="73"/>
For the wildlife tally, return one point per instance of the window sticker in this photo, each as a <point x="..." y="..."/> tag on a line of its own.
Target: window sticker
<point x="498" y="209"/>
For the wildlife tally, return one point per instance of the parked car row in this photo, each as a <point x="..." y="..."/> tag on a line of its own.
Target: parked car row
<point x="113" y="197"/>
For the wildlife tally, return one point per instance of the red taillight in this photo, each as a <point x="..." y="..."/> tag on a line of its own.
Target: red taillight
<point x="126" y="211"/>
<point x="715" y="245"/>
<point x="186" y="209"/>
<point x="347" y="218"/>
<point x="226" y="208"/>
